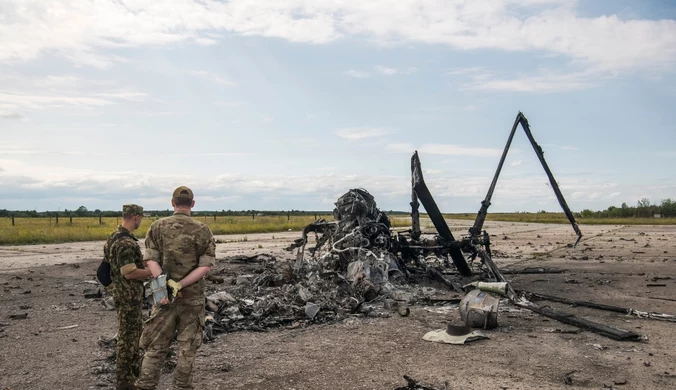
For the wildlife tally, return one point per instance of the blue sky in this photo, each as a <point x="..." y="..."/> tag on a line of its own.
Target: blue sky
<point x="288" y="104"/>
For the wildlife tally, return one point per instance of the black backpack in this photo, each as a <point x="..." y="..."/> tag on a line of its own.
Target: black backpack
<point x="103" y="272"/>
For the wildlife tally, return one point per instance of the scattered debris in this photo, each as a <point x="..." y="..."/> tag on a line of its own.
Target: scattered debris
<point x="454" y="335"/>
<point x="663" y="299"/>
<point x="18" y="316"/>
<point x="563" y="331"/>
<point x="599" y="306"/>
<point x="108" y="303"/>
<point x="568" y="378"/>
<point x="414" y="384"/>
<point x="533" y="270"/>
<point x="67" y="327"/>
<point x="93" y="293"/>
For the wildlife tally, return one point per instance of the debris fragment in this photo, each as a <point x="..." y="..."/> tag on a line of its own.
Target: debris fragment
<point x="413" y="384"/>
<point x="18" y="316"/>
<point x="108" y="303"/>
<point x="568" y="378"/>
<point x="93" y="293"/>
<point x="67" y="327"/>
<point x="479" y="309"/>
<point x="311" y="310"/>
<point x="593" y="305"/>
<point x="454" y="334"/>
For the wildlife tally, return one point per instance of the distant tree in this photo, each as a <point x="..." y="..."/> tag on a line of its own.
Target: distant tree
<point x="643" y="208"/>
<point x="81" y="211"/>
<point x="668" y="208"/>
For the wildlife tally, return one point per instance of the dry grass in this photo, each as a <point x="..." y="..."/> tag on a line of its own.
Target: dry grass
<point x="561" y="218"/>
<point x="44" y="230"/>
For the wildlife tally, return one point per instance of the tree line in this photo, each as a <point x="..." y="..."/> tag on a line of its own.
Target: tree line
<point x="643" y="209"/>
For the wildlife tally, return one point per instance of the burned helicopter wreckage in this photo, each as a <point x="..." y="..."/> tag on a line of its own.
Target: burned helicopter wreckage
<point x="359" y="241"/>
<point x="358" y="259"/>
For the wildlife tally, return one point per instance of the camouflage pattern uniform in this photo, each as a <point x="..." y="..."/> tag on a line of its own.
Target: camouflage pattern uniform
<point x="179" y="244"/>
<point x="124" y="256"/>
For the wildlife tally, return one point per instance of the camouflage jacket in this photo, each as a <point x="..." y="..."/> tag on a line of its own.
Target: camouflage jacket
<point x="180" y="244"/>
<point x="124" y="256"/>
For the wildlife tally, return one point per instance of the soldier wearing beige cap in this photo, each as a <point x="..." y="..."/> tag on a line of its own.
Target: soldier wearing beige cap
<point x="184" y="249"/>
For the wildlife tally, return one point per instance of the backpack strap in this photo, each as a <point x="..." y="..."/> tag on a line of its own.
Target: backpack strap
<point x="115" y="238"/>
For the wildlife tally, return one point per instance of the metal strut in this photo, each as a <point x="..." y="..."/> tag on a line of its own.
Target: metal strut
<point x="475" y="230"/>
<point x="421" y="191"/>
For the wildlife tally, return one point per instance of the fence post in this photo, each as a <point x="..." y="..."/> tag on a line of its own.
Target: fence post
<point x="253" y="216"/>
<point x="205" y="219"/>
<point x="100" y="222"/>
<point x="57" y="218"/>
<point x="50" y="220"/>
<point x="214" y="217"/>
<point x="315" y="216"/>
<point x="12" y="219"/>
<point x="71" y="219"/>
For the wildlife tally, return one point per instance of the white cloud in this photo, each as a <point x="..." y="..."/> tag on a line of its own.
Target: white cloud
<point x="58" y="186"/>
<point x="205" y="41"/>
<point x="385" y="71"/>
<point x="445" y="149"/>
<point x="544" y="81"/>
<point x="9" y="99"/>
<point x="213" y="77"/>
<point x="22" y="92"/>
<point x="516" y="163"/>
<point x="393" y="71"/>
<point x="79" y="30"/>
<point x="357" y="74"/>
<point x="358" y="133"/>
<point x="11" y="115"/>
<point x="133" y="96"/>
<point x="400" y="148"/>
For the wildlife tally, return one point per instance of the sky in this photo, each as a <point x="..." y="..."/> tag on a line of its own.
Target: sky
<point x="287" y="104"/>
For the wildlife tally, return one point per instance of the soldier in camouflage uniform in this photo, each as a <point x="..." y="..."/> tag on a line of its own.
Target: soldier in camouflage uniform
<point x="126" y="273"/>
<point x="185" y="250"/>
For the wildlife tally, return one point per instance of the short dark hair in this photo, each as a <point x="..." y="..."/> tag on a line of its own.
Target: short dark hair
<point x="183" y="202"/>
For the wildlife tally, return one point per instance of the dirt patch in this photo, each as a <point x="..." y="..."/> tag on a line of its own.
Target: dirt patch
<point x="613" y="265"/>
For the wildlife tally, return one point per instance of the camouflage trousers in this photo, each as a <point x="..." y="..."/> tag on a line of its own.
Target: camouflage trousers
<point x="183" y="319"/>
<point x="129" y="327"/>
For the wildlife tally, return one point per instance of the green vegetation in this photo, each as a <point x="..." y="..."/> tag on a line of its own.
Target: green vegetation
<point x="45" y="230"/>
<point x="561" y="218"/>
<point x="33" y="227"/>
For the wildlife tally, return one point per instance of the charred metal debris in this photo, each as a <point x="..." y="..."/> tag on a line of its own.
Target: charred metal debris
<point x="360" y="267"/>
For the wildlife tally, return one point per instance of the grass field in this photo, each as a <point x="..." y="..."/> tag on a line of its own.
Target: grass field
<point x="44" y="230"/>
<point x="561" y="218"/>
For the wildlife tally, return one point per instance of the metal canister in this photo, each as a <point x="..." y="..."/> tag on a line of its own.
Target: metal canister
<point x="479" y="309"/>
